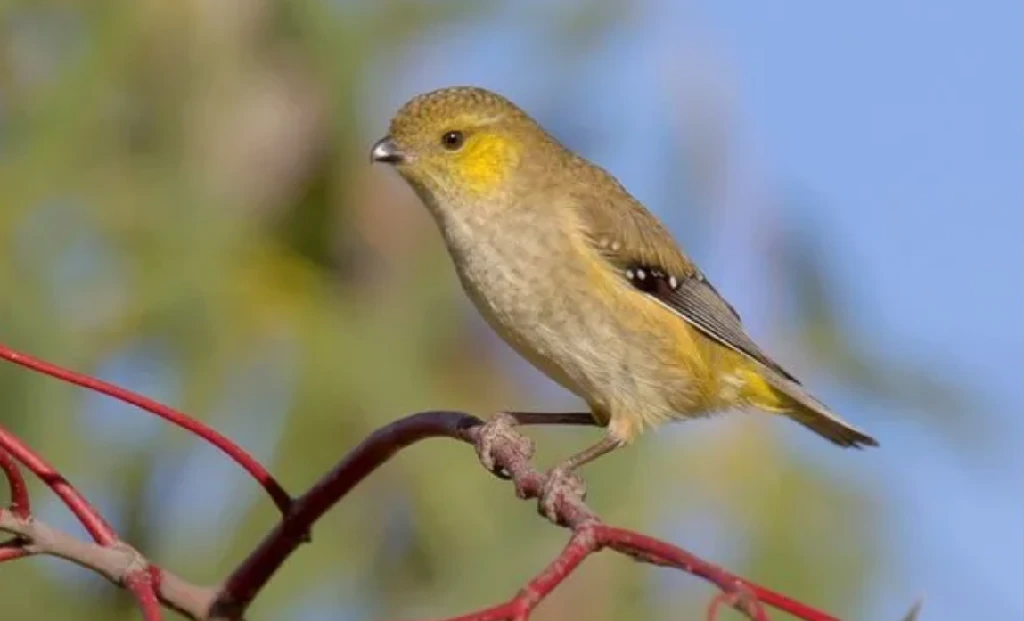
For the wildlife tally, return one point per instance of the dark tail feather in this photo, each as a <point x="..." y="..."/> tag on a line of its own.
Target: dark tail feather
<point x="813" y="414"/>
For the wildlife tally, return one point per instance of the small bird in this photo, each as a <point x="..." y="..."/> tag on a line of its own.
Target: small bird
<point x="581" y="279"/>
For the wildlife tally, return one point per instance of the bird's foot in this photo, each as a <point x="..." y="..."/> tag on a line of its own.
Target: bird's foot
<point x="501" y="430"/>
<point x="561" y="486"/>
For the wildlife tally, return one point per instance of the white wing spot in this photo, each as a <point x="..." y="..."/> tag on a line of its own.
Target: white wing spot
<point x="672" y="282"/>
<point x="616" y="245"/>
<point x="640" y="274"/>
<point x="629" y="274"/>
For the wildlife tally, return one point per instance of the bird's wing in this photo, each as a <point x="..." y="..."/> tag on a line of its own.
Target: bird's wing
<point x="639" y="247"/>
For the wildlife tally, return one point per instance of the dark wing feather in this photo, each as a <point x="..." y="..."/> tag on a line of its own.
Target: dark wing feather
<point x="700" y="304"/>
<point x="634" y="242"/>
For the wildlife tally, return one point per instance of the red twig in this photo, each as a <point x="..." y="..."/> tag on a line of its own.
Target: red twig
<point x="229" y="448"/>
<point x="116" y="563"/>
<point x="139" y="580"/>
<point x="592" y="537"/>
<point x="21" y="505"/>
<point x="94" y="524"/>
<point x="13" y="549"/>
<point x="246" y="581"/>
<point x="662" y="553"/>
<point x="582" y="544"/>
<point x="136" y="578"/>
<point x="512" y="453"/>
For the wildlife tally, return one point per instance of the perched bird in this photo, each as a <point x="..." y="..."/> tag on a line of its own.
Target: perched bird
<point x="579" y="278"/>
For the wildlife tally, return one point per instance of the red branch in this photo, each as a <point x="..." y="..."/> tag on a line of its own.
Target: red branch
<point x="236" y="453"/>
<point x="21" y="505"/>
<point x="246" y="581"/>
<point x="94" y="524"/>
<point x="136" y="580"/>
<point x="13" y="549"/>
<point x="509" y="451"/>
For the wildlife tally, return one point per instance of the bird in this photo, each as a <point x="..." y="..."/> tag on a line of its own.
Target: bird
<point x="580" y="279"/>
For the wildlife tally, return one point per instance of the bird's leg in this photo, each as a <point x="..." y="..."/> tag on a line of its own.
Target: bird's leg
<point x="562" y="481"/>
<point x="582" y="419"/>
<point x="501" y="428"/>
<point x="607" y="444"/>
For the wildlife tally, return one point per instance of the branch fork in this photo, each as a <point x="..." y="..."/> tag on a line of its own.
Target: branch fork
<point x="500" y="447"/>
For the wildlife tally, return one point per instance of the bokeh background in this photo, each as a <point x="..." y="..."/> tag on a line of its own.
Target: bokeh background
<point x="186" y="208"/>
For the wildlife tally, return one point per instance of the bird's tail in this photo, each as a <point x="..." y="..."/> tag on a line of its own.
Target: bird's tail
<point x="769" y="390"/>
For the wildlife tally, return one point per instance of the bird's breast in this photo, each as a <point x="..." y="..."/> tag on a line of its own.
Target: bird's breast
<point x="510" y="271"/>
<point x="549" y="300"/>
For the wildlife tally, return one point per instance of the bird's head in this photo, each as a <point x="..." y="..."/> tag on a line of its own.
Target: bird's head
<point x="461" y="145"/>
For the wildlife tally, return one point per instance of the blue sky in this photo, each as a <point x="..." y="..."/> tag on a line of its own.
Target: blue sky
<point x="903" y="120"/>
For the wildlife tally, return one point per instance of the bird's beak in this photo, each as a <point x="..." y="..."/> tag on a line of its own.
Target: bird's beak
<point x="385" y="150"/>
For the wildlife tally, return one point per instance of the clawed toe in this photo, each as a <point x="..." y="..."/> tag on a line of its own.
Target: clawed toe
<point x="561" y="485"/>
<point x="499" y="430"/>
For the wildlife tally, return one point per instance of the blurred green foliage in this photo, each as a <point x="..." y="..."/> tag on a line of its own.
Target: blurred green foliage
<point x="185" y="207"/>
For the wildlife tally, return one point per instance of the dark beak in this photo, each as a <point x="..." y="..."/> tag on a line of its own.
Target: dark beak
<point x="385" y="150"/>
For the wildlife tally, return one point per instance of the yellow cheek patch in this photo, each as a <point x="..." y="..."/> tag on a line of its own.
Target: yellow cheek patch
<point x="486" y="160"/>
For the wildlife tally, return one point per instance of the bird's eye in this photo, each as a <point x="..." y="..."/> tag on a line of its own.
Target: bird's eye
<point x="452" y="140"/>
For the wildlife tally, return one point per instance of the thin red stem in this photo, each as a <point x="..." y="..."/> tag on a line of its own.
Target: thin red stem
<point x="97" y="527"/>
<point x="90" y="518"/>
<point x="580" y="546"/>
<point x="519" y="607"/>
<point x="229" y="448"/>
<point x="140" y="584"/>
<point x="21" y="505"/>
<point x="664" y="553"/>
<point x="13" y="549"/>
<point x="246" y="581"/>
